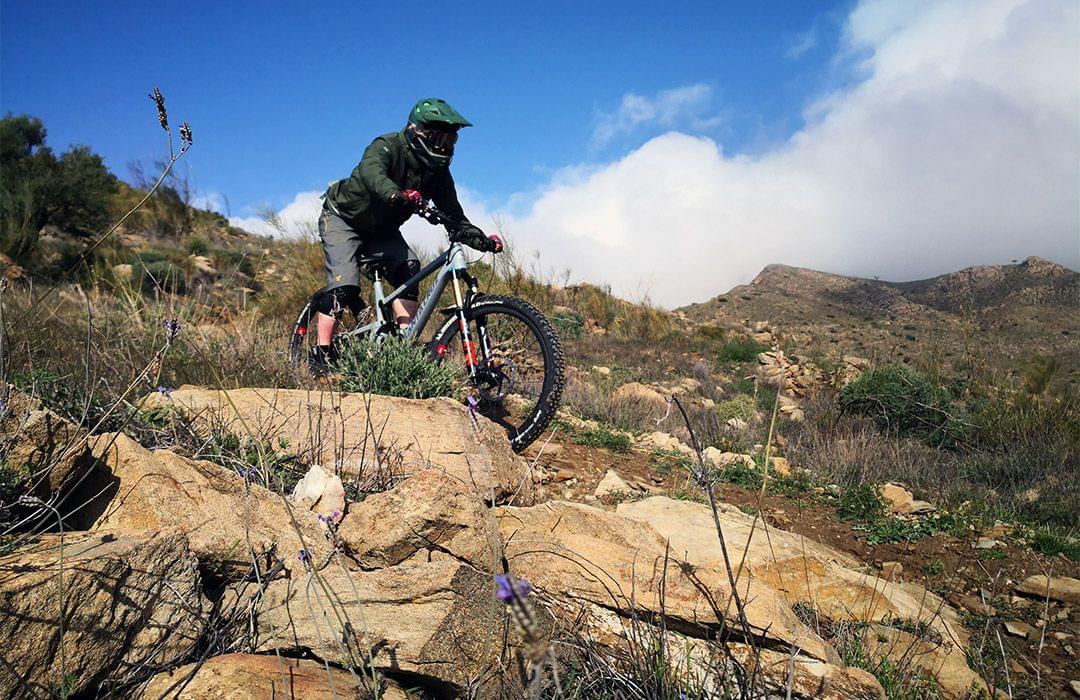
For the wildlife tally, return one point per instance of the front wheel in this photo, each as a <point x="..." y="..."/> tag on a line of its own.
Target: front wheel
<point x="519" y="363"/>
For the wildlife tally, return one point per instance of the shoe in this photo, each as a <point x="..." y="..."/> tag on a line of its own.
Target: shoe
<point x="322" y="363"/>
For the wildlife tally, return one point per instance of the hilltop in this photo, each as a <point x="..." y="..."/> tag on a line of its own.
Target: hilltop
<point x="1003" y="314"/>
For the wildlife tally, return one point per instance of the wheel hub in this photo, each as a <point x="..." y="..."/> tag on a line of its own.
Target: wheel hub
<point x="495" y="381"/>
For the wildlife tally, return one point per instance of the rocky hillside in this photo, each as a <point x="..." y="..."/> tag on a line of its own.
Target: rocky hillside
<point x="1000" y="314"/>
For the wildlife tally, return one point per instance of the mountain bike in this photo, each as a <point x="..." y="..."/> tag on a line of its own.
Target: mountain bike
<point x="508" y="350"/>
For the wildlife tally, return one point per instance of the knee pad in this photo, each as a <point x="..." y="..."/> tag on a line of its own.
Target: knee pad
<point x="402" y="273"/>
<point x="336" y="300"/>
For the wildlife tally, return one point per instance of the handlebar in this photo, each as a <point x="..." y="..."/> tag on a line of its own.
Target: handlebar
<point x="435" y="217"/>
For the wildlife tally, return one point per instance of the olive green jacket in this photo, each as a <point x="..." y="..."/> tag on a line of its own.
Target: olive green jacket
<point x="387" y="168"/>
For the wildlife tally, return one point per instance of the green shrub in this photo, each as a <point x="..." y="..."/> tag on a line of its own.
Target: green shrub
<point x="154" y="255"/>
<point x="162" y="275"/>
<point x="196" y="245"/>
<point x="902" y="402"/>
<point x="741" y="407"/>
<point x="741" y="349"/>
<point x="568" y="323"/>
<point x="1051" y="543"/>
<point x="394" y="366"/>
<point x="239" y="259"/>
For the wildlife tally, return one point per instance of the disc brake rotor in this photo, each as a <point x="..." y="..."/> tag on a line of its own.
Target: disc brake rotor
<point x="496" y="380"/>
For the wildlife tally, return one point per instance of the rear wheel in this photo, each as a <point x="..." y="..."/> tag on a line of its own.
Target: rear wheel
<point x="520" y="367"/>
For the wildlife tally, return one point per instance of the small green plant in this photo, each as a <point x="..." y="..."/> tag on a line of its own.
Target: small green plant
<point x="258" y="460"/>
<point x="1051" y="543"/>
<point x="862" y="503"/>
<point x="666" y="461"/>
<point x="741" y="349"/>
<point x="394" y="366"/>
<point x="740" y="474"/>
<point x="864" y="508"/>
<point x="933" y="567"/>
<point x="604" y="438"/>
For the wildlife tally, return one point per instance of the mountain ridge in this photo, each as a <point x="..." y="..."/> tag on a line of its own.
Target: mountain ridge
<point x="1006" y="311"/>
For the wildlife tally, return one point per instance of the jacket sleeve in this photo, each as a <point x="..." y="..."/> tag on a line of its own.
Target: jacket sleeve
<point x="444" y="194"/>
<point x="373" y="170"/>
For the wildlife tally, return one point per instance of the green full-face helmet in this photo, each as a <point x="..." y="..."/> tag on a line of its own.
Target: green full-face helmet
<point x="432" y="131"/>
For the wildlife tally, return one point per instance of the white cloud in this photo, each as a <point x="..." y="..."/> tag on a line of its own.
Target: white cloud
<point x="802" y="43"/>
<point x="959" y="146"/>
<point x="666" y="109"/>
<point x="210" y="201"/>
<point x="296" y="219"/>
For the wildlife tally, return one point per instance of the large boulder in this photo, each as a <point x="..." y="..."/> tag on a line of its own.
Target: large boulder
<point x="437" y="618"/>
<point x="366" y="436"/>
<point x="635" y="392"/>
<point x="225" y="516"/>
<point x="806" y="572"/>
<point x="237" y="676"/>
<point x="78" y="609"/>
<point x="427" y="512"/>
<point x="41" y="451"/>
<point x="582" y="554"/>
<point x="1062" y="588"/>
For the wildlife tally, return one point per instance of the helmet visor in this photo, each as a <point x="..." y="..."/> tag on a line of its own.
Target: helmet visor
<point x="437" y="138"/>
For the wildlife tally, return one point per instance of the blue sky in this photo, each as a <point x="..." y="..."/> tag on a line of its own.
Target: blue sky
<point x="283" y="96"/>
<point x="669" y="149"/>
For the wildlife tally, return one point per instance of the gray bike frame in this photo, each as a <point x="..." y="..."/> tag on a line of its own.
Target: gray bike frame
<point x="453" y="262"/>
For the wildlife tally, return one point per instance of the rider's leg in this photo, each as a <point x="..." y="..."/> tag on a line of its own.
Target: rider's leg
<point x="325" y="326"/>
<point x="333" y="303"/>
<point x="404" y="311"/>
<point x="402" y="266"/>
<point x="341" y="244"/>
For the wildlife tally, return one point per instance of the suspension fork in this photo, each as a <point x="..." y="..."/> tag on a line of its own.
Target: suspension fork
<point x="468" y="347"/>
<point x="468" y="343"/>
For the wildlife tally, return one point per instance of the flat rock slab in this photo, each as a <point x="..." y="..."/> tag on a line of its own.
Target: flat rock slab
<point x="225" y="517"/>
<point x="237" y="676"/>
<point x="803" y="571"/>
<point x="125" y="601"/>
<point x="366" y="436"/>
<point x="577" y="552"/>
<point x="1060" y="588"/>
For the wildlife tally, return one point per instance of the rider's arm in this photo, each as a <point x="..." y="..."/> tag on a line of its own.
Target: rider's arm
<point x="374" y="168"/>
<point x="444" y="194"/>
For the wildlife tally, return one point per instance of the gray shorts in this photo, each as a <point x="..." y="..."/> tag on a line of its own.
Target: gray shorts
<point x="350" y="253"/>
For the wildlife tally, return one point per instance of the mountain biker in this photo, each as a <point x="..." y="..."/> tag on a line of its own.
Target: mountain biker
<point x="362" y="214"/>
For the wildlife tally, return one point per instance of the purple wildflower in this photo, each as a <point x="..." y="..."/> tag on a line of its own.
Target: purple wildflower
<point x="171" y="326"/>
<point x="250" y="472"/>
<point x="510" y="588"/>
<point x="164" y="391"/>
